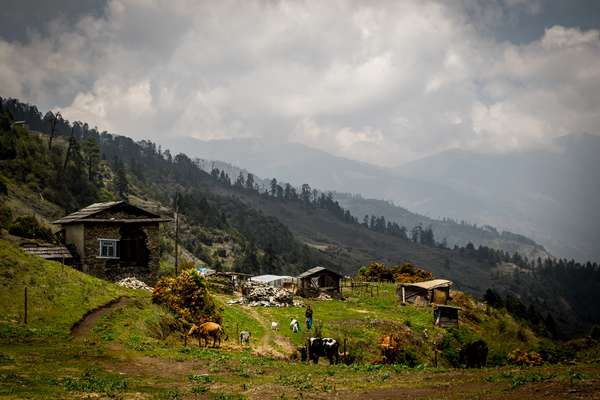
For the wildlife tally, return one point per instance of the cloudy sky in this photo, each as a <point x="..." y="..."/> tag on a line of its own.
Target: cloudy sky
<point x="379" y="81"/>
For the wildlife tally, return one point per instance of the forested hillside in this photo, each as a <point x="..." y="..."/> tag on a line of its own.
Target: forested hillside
<point x="230" y="222"/>
<point x="448" y="231"/>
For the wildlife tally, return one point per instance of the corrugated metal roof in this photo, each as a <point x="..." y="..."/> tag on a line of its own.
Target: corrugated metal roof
<point x="315" y="270"/>
<point x="95" y="208"/>
<point x="428" y="285"/>
<point x="54" y="252"/>
<point x="269" y="278"/>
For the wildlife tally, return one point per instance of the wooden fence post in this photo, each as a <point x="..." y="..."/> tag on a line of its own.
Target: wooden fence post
<point x="25" y="305"/>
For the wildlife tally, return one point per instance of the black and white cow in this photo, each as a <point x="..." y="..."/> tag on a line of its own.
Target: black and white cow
<point x="323" y="347"/>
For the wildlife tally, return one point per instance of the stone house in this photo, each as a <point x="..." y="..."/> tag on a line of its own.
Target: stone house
<point x="114" y="240"/>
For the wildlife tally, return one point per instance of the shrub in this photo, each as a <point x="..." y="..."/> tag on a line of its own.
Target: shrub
<point x="187" y="296"/>
<point x="524" y="357"/>
<point x="29" y="227"/>
<point x="555" y="352"/>
<point x="377" y="272"/>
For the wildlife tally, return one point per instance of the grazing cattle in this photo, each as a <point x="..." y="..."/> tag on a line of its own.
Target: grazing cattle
<point x="390" y="346"/>
<point x="294" y="325"/>
<point x="474" y="355"/>
<point x="323" y="347"/>
<point x="207" y="330"/>
<point x="274" y="326"/>
<point x="244" y="337"/>
<point x="299" y="354"/>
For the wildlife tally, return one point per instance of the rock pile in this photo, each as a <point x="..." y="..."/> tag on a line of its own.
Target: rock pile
<point x="133" y="283"/>
<point x="259" y="294"/>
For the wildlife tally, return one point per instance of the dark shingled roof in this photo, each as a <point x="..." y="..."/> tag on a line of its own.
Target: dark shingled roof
<point x="315" y="270"/>
<point x="50" y="253"/>
<point x="85" y="213"/>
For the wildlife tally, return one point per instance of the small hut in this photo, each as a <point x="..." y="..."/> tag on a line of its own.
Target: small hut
<point x="49" y="252"/>
<point x="436" y="291"/>
<point x="445" y="315"/>
<point x="278" y="281"/>
<point x="317" y="280"/>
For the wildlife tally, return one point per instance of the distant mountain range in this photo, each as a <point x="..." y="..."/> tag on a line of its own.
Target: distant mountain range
<point x="548" y="194"/>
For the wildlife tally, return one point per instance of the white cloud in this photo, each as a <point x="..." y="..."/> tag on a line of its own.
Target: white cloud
<point x="382" y="82"/>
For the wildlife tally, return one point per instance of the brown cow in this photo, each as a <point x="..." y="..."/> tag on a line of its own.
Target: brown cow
<point x="207" y="330"/>
<point x="389" y="345"/>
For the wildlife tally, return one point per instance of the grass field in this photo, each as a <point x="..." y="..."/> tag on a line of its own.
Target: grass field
<point x="136" y="352"/>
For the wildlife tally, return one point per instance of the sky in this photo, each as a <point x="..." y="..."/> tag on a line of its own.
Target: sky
<point x="379" y="81"/>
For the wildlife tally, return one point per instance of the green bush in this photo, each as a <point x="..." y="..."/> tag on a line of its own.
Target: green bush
<point x="188" y="297"/>
<point x="29" y="227"/>
<point x="553" y="352"/>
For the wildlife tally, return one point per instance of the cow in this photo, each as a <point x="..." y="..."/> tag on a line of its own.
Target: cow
<point x="206" y="331"/>
<point x="474" y="355"/>
<point x="323" y="347"/>
<point x="245" y="337"/>
<point x="274" y="326"/>
<point x="294" y="325"/>
<point x="389" y="345"/>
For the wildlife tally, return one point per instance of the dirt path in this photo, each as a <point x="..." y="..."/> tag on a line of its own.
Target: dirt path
<point x="265" y="347"/>
<point x="87" y="323"/>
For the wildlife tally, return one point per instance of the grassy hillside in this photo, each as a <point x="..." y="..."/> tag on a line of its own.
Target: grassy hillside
<point x="137" y="351"/>
<point x="58" y="296"/>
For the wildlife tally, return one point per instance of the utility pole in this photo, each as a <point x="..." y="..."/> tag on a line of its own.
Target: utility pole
<point x="176" y="231"/>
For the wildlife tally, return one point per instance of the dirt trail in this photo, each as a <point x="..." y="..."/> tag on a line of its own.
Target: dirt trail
<point x="87" y="323"/>
<point x="265" y="347"/>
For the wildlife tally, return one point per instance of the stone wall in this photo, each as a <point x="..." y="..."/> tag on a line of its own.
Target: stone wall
<point x="115" y="269"/>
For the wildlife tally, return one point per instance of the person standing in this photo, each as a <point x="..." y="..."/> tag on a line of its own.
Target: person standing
<point x="309" y="317"/>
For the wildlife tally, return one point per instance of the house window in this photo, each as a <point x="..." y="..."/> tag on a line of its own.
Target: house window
<point x="109" y="248"/>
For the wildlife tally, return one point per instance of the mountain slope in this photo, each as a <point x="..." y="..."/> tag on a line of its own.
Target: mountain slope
<point x="548" y="194"/>
<point x="299" y="164"/>
<point x="263" y="233"/>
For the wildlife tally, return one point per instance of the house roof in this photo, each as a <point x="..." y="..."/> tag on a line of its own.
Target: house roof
<point x="51" y="252"/>
<point x="269" y="278"/>
<point x="429" y="285"/>
<point x="85" y="213"/>
<point x="316" y="270"/>
<point x="447" y="306"/>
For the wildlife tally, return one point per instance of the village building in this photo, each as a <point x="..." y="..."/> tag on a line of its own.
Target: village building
<point x="445" y="316"/>
<point x="277" y="281"/>
<point x="114" y="240"/>
<point x="319" y="280"/>
<point x="424" y="293"/>
<point x="49" y="252"/>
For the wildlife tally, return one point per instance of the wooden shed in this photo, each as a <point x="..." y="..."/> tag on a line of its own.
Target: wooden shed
<point x="319" y="279"/>
<point x="445" y="316"/>
<point x="423" y="293"/>
<point x="49" y="252"/>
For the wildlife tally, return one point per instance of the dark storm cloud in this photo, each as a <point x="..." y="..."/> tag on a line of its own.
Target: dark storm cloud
<point x="382" y="82"/>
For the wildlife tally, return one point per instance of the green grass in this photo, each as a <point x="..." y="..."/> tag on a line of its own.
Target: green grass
<point x="137" y="351"/>
<point x="58" y="296"/>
